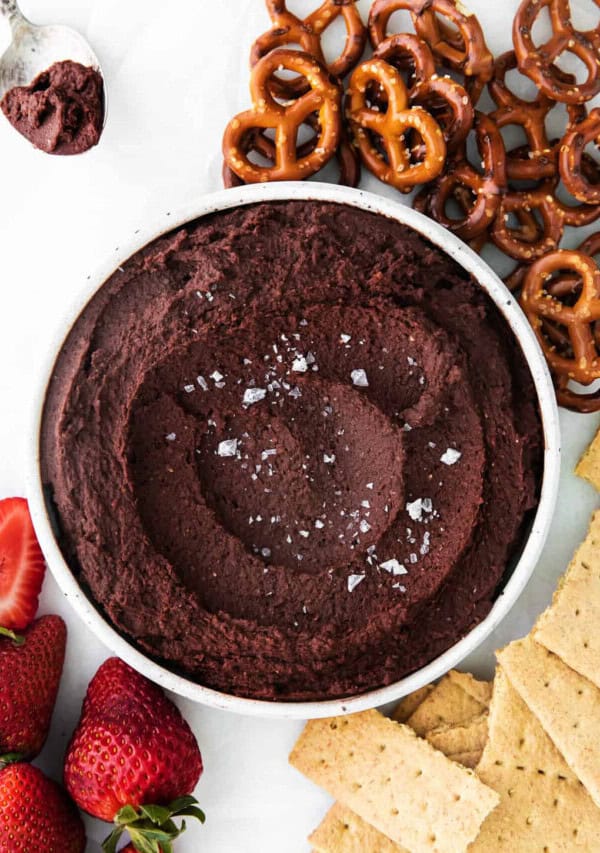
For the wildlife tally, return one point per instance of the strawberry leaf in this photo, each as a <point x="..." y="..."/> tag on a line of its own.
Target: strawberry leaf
<point x="192" y="811"/>
<point x="17" y="639"/>
<point x="10" y="758"/>
<point x="109" y="845"/>
<point x="126" y="815"/>
<point x="151" y="828"/>
<point x="157" y="814"/>
<point x="144" y="845"/>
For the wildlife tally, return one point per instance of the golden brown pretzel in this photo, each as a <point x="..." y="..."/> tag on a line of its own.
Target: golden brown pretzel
<point x="288" y="29"/>
<point x="442" y="97"/>
<point x="375" y="129"/>
<point x="486" y="189"/>
<point x="538" y="63"/>
<point x="571" y="159"/>
<point x="463" y="50"/>
<point x="585" y="404"/>
<point x="322" y="99"/>
<point x="256" y="141"/>
<point x="538" y="158"/>
<point x="582" y="364"/>
<point x="528" y="242"/>
<point x="564" y="284"/>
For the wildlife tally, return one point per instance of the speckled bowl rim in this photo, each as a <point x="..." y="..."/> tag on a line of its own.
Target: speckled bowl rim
<point x="525" y="566"/>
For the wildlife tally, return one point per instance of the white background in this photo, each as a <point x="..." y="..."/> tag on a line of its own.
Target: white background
<point x="176" y="72"/>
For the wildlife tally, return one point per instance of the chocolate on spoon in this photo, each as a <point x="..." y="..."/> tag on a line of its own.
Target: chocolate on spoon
<point x="51" y="85"/>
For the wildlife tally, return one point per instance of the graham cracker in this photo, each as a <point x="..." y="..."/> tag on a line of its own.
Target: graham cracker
<point x="569" y="628"/>
<point x="461" y="739"/>
<point x="588" y="466"/>
<point x="467" y="759"/>
<point x="566" y="704"/>
<point x="342" y="831"/>
<point x="481" y="691"/>
<point x="395" y="781"/>
<point x="407" y="706"/>
<point x="456" y="699"/>
<point x="543" y="805"/>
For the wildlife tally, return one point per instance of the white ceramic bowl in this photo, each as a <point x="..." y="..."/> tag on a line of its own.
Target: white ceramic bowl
<point x="535" y="540"/>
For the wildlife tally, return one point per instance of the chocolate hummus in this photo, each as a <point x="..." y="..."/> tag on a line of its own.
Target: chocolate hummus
<point x="62" y="111"/>
<point x="292" y="448"/>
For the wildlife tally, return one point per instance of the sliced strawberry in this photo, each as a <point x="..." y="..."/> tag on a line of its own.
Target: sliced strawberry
<point x="21" y="565"/>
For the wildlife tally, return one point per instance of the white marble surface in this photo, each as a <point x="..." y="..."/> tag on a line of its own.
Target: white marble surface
<point x="176" y="72"/>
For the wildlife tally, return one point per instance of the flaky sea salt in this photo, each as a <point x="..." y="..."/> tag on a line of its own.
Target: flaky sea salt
<point x="394" y="567"/>
<point x="345" y="338"/>
<point x="415" y="509"/>
<point x="354" y="580"/>
<point x="171" y="436"/>
<point x="299" y="364"/>
<point x="451" y="456"/>
<point x="228" y="447"/>
<point x="359" y="378"/>
<point x="253" y="395"/>
<point x="328" y="460"/>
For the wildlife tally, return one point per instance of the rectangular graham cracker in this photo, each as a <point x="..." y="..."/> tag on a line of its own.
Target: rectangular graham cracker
<point x="588" y="467"/>
<point x="342" y="831"/>
<point x="462" y="739"/>
<point x="457" y="698"/>
<point x="407" y="706"/>
<point x="566" y="704"/>
<point x="395" y="781"/>
<point x="569" y="628"/>
<point x="543" y="806"/>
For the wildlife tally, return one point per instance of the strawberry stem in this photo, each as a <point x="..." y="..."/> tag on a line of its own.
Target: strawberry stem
<point x="151" y="828"/>
<point x="17" y="639"/>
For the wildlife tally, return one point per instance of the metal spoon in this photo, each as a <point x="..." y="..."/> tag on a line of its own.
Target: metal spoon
<point x="35" y="48"/>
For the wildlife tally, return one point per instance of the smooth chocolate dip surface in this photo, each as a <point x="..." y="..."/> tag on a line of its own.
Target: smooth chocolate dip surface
<point x="292" y="448"/>
<point x="62" y="111"/>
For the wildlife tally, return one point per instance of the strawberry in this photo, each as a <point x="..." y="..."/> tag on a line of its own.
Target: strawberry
<point x="30" y="670"/>
<point x="21" y="565"/>
<point x="36" y="814"/>
<point x="132" y="749"/>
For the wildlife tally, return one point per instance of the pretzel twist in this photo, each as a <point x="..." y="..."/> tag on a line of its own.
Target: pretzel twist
<point x="538" y="159"/>
<point x="323" y="100"/>
<point x="445" y="99"/>
<point x="485" y="189"/>
<point x="308" y="33"/>
<point x="256" y="141"/>
<point x="571" y="160"/>
<point x="583" y="364"/>
<point x="375" y="130"/>
<point x="538" y="63"/>
<point x="463" y="50"/>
